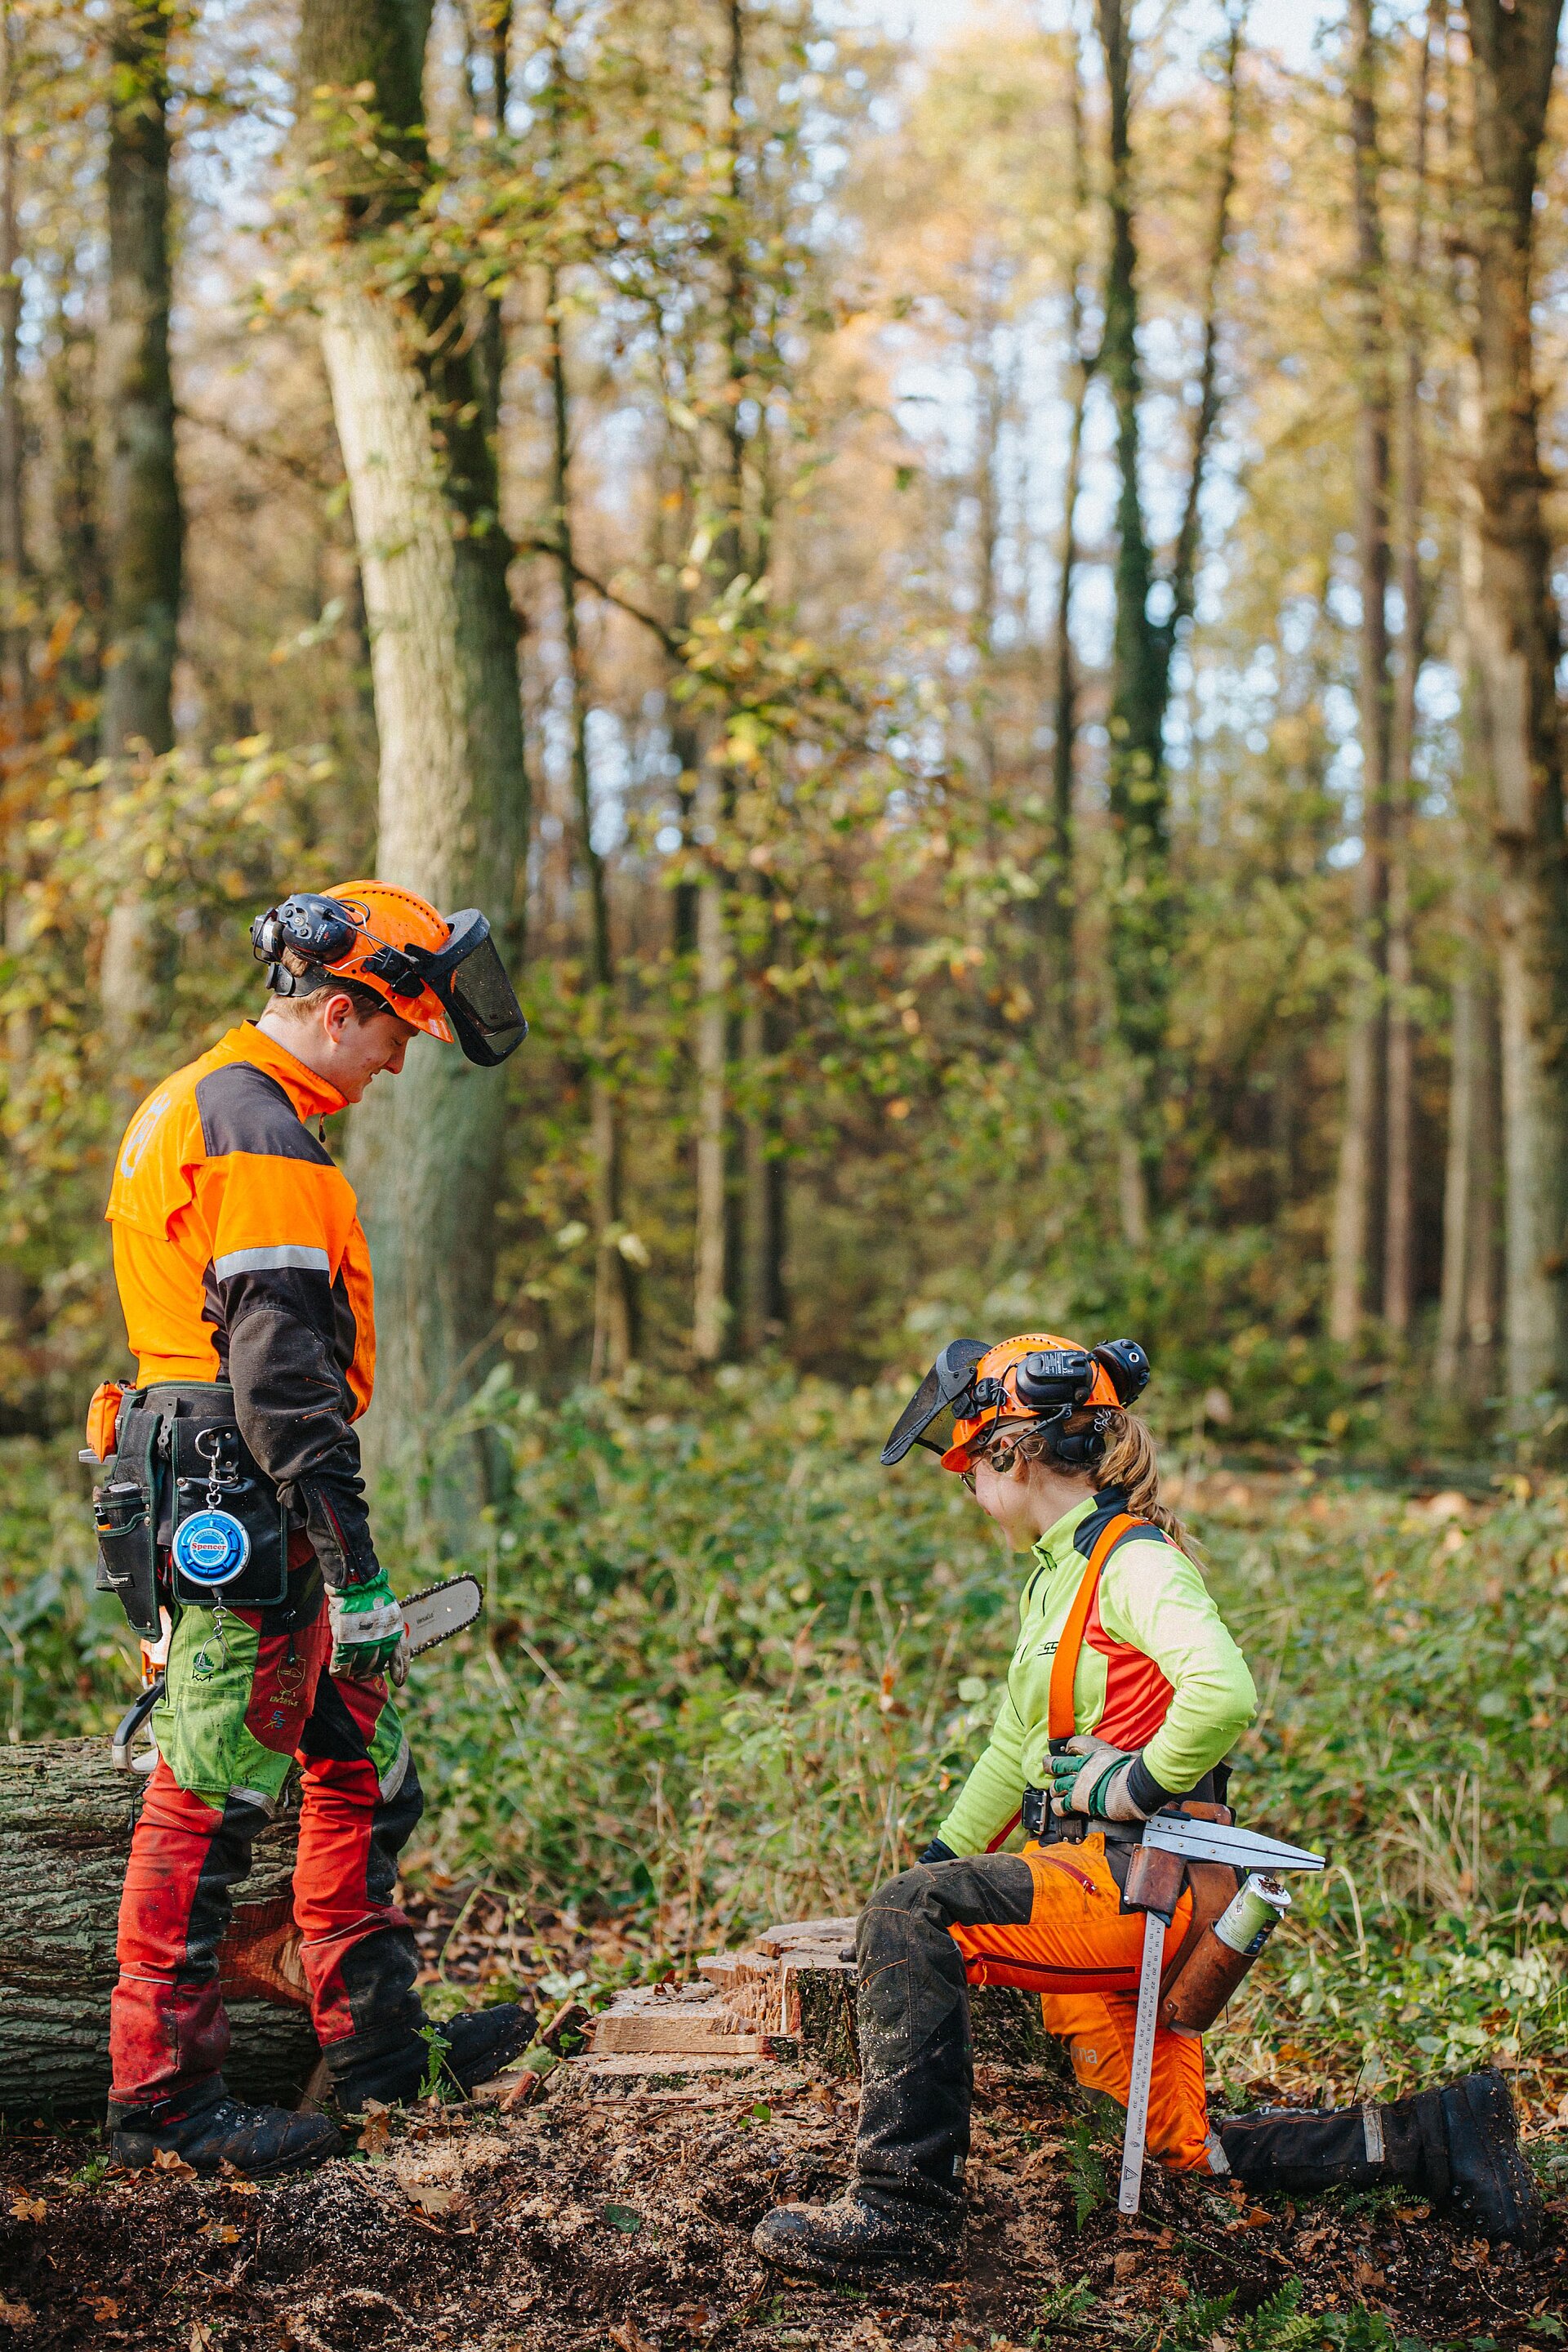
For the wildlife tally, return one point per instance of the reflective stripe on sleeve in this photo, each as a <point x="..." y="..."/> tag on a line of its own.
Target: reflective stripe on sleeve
<point x="280" y="1253"/>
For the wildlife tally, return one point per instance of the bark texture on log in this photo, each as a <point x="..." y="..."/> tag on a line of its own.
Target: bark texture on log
<point x="66" y="1819"/>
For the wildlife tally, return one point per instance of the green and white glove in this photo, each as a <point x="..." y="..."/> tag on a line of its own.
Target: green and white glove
<point x="1091" y="1777"/>
<point x="368" y="1632"/>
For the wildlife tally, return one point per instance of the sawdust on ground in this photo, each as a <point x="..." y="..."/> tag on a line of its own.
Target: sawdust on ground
<point x="612" y="2218"/>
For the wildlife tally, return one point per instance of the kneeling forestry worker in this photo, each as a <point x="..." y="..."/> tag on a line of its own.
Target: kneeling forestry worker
<point x="1124" y="1694"/>
<point x="246" y="1284"/>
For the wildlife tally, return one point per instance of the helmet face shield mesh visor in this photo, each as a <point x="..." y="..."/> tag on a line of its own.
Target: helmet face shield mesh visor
<point x="943" y="1387"/>
<point x="484" y="1009"/>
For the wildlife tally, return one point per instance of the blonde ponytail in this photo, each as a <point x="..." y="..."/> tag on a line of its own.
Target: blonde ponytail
<point x="1130" y="1462"/>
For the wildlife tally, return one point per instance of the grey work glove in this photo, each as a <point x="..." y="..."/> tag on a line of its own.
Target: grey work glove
<point x="1092" y="1777"/>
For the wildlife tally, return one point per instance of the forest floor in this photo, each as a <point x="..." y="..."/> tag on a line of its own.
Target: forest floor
<point x="603" y="2220"/>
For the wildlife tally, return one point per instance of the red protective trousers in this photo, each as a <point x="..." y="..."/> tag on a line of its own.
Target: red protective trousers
<point x="244" y="1703"/>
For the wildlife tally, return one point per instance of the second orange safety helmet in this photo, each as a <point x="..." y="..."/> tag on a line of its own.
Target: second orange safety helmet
<point x="1000" y="1365"/>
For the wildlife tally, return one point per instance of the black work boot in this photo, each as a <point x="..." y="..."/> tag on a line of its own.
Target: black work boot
<point x="865" y="2235"/>
<point x="1459" y="2147"/>
<point x="469" y="2050"/>
<point x="903" y="2216"/>
<point x="214" y="2130"/>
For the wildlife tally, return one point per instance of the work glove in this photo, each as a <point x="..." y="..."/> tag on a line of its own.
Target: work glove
<point x="937" y="1851"/>
<point x="369" y="1637"/>
<point x="1091" y="1777"/>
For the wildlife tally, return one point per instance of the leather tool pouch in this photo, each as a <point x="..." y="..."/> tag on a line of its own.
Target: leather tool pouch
<point x="160" y="1475"/>
<point x="200" y="1425"/>
<point x="125" y="1517"/>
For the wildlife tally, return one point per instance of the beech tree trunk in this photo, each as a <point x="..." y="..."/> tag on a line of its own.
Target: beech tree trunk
<point x="66" y="1818"/>
<point x="1361" y="1169"/>
<point x="1516" y="637"/>
<point x="408" y="399"/>
<point x="143" y="532"/>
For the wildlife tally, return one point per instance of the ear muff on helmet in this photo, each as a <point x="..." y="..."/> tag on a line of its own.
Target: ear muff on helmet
<point x="1128" y="1366"/>
<point x="1078" y="1449"/>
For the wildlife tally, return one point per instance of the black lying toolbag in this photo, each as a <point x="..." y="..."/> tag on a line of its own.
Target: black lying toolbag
<point x="178" y="1450"/>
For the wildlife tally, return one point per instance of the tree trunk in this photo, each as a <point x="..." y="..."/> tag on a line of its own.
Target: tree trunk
<point x="426" y="1148"/>
<point x="710" y="1309"/>
<point x="144" y="527"/>
<point x="1517" y="647"/>
<point x="1058" y="925"/>
<point x="1399" y="1209"/>
<point x="1142" y="648"/>
<point x="1361" y="1155"/>
<point x="66" y="1818"/>
<point x="615" y="1279"/>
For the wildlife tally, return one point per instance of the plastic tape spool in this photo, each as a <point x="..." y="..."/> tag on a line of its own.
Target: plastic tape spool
<point x="210" y="1547"/>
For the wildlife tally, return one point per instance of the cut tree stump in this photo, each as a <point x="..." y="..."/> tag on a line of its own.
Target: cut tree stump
<point x="792" y="1989"/>
<point x="65" y="1816"/>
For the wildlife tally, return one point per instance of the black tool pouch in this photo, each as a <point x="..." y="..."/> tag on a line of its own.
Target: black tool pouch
<point x="125" y="1517"/>
<point x="202" y="1429"/>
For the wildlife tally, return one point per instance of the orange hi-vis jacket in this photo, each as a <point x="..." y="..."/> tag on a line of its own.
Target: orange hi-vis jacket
<point x="239" y="1256"/>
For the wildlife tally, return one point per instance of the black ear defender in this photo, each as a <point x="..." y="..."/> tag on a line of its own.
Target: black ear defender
<point x="1128" y="1366"/>
<point x="318" y="928"/>
<point x="1055" y="1376"/>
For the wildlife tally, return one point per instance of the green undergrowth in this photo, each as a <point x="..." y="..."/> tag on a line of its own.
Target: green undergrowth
<point x="731" y="1669"/>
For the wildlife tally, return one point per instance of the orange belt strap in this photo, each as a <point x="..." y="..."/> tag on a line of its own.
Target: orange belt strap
<point x="1064" y="1670"/>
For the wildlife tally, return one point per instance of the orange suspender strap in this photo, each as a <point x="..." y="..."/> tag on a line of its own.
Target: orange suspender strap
<point x="1064" y="1670"/>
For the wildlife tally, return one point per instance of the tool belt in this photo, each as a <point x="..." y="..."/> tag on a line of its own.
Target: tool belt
<point x="177" y="1445"/>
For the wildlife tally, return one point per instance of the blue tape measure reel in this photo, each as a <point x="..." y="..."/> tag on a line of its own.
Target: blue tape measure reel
<point x="210" y="1547"/>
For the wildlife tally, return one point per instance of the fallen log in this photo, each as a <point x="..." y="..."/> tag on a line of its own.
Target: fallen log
<point x="66" y="1818"/>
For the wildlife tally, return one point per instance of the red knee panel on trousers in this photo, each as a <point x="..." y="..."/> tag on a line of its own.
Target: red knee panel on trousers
<point x="167" y="2027"/>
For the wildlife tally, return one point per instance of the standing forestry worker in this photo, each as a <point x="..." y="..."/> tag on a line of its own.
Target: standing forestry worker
<point x="232" y="1498"/>
<point x="1124" y="1695"/>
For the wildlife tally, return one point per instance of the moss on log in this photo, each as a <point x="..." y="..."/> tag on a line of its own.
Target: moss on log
<point x="66" y="1818"/>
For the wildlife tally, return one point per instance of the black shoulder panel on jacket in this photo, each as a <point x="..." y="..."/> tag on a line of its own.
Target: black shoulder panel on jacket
<point x="243" y="1109"/>
<point x="1106" y="1503"/>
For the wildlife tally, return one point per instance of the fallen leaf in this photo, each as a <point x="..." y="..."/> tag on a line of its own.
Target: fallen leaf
<point x="630" y="2337"/>
<point x="1126" y="2266"/>
<point x="166" y="2160"/>
<point x="375" y="2139"/>
<point x="201" y="2337"/>
<point x="1309" y="2241"/>
<point x="695" y="2317"/>
<point x="1412" y="2212"/>
<point x="15" y="2314"/>
<point x="28" y="2209"/>
<point x="103" y="2306"/>
<point x="624" y="2217"/>
<point x="431" y="2199"/>
<point x="1365" y="2275"/>
<point x="1256" y="2217"/>
<point x="222" y="2233"/>
<point x="240" y="2187"/>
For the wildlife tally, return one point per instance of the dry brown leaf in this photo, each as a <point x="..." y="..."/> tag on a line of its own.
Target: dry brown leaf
<point x="1365" y="2275"/>
<point x="1126" y="2266"/>
<point x="27" y="2209"/>
<point x="375" y="2139"/>
<point x="630" y="2337"/>
<point x="15" y="2314"/>
<point x="165" y="2159"/>
<point x="202" y="2337"/>
<point x="103" y="2306"/>
<point x="431" y="2199"/>
<point x="222" y="2233"/>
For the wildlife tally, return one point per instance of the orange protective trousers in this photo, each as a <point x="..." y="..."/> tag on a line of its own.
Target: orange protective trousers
<point x="1081" y="1953"/>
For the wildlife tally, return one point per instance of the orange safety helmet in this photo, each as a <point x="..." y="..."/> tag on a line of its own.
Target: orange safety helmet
<point x="1038" y="1377"/>
<point x="1000" y="1367"/>
<point x="440" y="972"/>
<point x="395" y="918"/>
